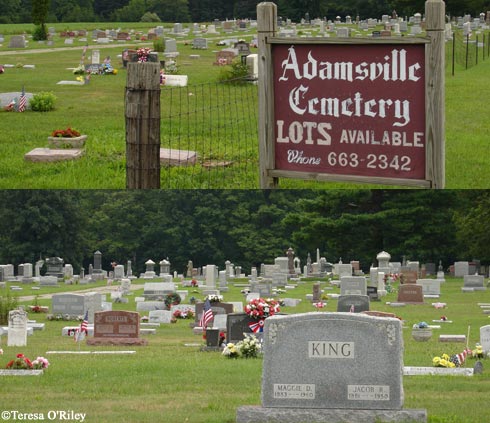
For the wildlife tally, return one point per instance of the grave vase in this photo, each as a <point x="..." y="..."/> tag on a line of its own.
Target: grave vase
<point x="67" y="142"/>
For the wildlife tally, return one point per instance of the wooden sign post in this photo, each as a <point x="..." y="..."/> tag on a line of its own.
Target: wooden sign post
<point x="352" y="109"/>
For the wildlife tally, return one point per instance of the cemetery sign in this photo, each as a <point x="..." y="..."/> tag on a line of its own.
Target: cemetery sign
<point x="350" y="109"/>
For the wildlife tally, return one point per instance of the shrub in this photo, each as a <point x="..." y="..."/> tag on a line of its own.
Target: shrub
<point x="43" y="102"/>
<point x="158" y="46"/>
<point x="237" y="71"/>
<point x="7" y="303"/>
<point x="40" y="33"/>
<point x="150" y="17"/>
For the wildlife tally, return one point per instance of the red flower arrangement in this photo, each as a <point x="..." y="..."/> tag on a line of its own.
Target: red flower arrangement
<point x="20" y="362"/>
<point x="261" y="308"/>
<point x="66" y="133"/>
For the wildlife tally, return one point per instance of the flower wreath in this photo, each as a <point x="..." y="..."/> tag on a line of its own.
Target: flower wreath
<point x="259" y="309"/>
<point x="172" y="299"/>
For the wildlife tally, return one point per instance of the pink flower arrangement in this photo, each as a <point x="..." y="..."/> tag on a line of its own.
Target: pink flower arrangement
<point x="143" y="54"/>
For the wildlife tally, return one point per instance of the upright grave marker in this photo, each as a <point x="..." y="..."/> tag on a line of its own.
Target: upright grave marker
<point x="327" y="378"/>
<point x="17" y="333"/>
<point x="352" y="109"/>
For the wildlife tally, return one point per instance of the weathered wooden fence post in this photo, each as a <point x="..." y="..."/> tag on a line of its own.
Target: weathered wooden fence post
<point x="142" y="114"/>
<point x="435" y="12"/>
<point x="266" y="27"/>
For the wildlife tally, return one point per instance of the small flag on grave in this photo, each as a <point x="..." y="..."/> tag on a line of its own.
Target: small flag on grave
<point x="207" y="314"/>
<point x="82" y="330"/>
<point x="22" y="101"/>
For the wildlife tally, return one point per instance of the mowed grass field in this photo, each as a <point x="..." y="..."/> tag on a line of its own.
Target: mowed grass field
<point x="97" y="109"/>
<point x="171" y="380"/>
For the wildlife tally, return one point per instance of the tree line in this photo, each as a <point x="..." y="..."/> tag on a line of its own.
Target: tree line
<point x="20" y="11"/>
<point x="247" y="227"/>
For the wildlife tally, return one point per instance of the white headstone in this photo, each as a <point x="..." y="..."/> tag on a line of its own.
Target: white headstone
<point x="17" y="334"/>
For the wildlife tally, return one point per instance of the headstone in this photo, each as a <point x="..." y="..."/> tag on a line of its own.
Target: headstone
<point x="150" y="269"/>
<point x="410" y="276"/>
<point x="216" y="307"/>
<point x="326" y="377"/>
<point x="54" y="267"/>
<point x="210" y="276"/>
<point x="17" y="328"/>
<point x="474" y="282"/>
<point x="157" y="290"/>
<point x="317" y="293"/>
<point x="353" y="285"/>
<point x="170" y="46"/>
<point x="410" y="294"/>
<point x="150" y="305"/>
<point x="116" y="327"/>
<point x="344" y="270"/>
<point x="200" y="43"/>
<point x="125" y="286"/>
<point x="68" y="271"/>
<point x="119" y="271"/>
<point x="93" y="304"/>
<point x="461" y="268"/>
<point x="17" y="41"/>
<point x="160" y="316"/>
<point x="485" y="338"/>
<point x="219" y="321"/>
<point x="69" y="304"/>
<point x="353" y="303"/>
<point x="97" y="258"/>
<point x="430" y="287"/>
<point x="236" y="325"/>
<point x="164" y="267"/>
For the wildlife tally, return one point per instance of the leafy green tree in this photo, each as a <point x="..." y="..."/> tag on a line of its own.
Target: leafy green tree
<point x="170" y="10"/>
<point x="40" y="10"/>
<point x="105" y="8"/>
<point x="472" y="222"/>
<point x="10" y="11"/>
<point x="132" y="12"/>
<point x="39" y="224"/>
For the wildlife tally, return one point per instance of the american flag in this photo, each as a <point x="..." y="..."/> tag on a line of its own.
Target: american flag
<point x="82" y="330"/>
<point x="22" y="101"/>
<point x="207" y="314"/>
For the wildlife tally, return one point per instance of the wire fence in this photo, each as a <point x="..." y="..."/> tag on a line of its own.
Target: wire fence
<point x="464" y="51"/>
<point x="209" y="136"/>
<point x="209" y="132"/>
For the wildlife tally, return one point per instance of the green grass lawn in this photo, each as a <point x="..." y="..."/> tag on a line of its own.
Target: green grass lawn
<point x="169" y="381"/>
<point x="97" y="109"/>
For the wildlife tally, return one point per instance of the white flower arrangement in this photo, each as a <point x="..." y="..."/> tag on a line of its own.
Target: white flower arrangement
<point x="214" y="298"/>
<point x="250" y="347"/>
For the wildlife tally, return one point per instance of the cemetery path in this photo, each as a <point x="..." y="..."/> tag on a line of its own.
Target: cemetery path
<point x="92" y="46"/>
<point x="54" y="49"/>
<point x="101" y="289"/>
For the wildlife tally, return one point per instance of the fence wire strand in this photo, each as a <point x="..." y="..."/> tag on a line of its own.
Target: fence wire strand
<point x="218" y="122"/>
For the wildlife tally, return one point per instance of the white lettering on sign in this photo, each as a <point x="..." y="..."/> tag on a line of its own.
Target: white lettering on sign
<point x="330" y="349"/>
<point x="355" y="105"/>
<point x="368" y="392"/>
<point x="394" y="68"/>
<point x="294" y="391"/>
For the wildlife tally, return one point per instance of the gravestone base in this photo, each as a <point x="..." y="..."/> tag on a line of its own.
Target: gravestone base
<point x="258" y="414"/>
<point x="53" y="155"/>
<point x="117" y="341"/>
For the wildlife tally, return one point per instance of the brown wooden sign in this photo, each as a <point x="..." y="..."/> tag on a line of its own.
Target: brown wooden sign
<point x="350" y="109"/>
